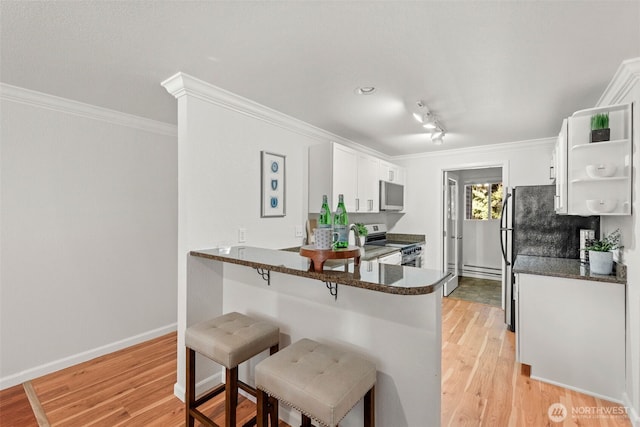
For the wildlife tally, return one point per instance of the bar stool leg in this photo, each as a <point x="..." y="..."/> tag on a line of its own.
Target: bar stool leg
<point x="306" y="421"/>
<point x="273" y="402"/>
<point x="190" y="389"/>
<point x="231" y="397"/>
<point x="262" y="408"/>
<point x="369" y="408"/>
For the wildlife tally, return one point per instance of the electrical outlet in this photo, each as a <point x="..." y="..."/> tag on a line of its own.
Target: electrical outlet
<point x="299" y="231"/>
<point x="242" y="235"/>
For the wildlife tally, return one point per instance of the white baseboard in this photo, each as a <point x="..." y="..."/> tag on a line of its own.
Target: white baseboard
<point x="579" y="390"/>
<point x="634" y="415"/>
<point x="56" y="365"/>
<point x="480" y="276"/>
<point x="201" y="387"/>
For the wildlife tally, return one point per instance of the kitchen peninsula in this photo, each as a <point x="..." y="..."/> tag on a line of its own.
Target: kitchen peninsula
<point x="388" y="313"/>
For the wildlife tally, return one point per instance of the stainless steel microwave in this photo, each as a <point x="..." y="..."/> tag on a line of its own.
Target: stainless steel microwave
<point x="391" y="196"/>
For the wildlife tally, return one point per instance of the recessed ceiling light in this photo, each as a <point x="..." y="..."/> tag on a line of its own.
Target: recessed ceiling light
<point x="365" y="90"/>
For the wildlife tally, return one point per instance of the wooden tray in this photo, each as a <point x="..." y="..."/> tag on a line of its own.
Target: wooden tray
<point x="319" y="256"/>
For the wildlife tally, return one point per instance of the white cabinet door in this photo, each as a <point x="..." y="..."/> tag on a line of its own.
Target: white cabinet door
<point x="345" y="176"/>
<point x="560" y="165"/>
<point x="572" y="332"/>
<point x="368" y="199"/>
<point x="392" y="173"/>
<point x="388" y="171"/>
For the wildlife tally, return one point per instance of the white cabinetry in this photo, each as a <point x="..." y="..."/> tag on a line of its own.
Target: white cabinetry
<point x="368" y="196"/>
<point x="390" y="172"/>
<point x="599" y="175"/>
<point x="344" y="177"/>
<point x="560" y="168"/>
<point x="335" y="169"/>
<point x="572" y="332"/>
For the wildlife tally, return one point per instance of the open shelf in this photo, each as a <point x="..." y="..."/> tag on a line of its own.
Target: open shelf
<point x="600" y="145"/>
<point x="588" y="193"/>
<point x="603" y="179"/>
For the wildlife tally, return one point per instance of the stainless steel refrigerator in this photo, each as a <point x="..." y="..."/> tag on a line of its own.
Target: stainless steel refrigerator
<point x="530" y="226"/>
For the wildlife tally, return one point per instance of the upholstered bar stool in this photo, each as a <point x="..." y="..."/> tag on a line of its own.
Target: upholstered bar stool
<point x="322" y="382"/>
<point x="228" y="340"/>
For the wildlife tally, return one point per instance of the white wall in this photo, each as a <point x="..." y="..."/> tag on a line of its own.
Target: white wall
<point x="481" y="255"/>
<point x="524" y="163"/>
<point x="220" y="139"/>
<point x="88" y="232"/>
<point x="625" y="88"/>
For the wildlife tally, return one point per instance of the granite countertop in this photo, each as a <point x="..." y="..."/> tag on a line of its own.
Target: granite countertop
<point x="372" y="252"/>
<point x="392" y="279"/>
<point x="408" y="238"/>
<point x="563" y="267"/>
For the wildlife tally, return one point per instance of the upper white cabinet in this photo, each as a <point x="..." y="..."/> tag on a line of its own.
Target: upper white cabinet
<point x="598" y="174"/>
<point x="560" y="169"/>
<point x="368" y="196"/>
<point x="344" y="177"/>
<point x="335" y="169"/>
<point x="390" y="172"/>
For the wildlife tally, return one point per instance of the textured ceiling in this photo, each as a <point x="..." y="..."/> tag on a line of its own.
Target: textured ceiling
<point x="492" y="71"/>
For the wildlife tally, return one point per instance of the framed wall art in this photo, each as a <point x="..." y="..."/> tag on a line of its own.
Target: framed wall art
<point x="273" y="178"/>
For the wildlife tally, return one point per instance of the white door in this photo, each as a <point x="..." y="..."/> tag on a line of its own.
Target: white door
<point x="450" y="237"/>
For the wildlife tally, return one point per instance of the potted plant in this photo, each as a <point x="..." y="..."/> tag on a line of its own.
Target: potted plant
<point x="600" y="255"/>
<point x="600" y="127"/>
<point x="360" y="231"/>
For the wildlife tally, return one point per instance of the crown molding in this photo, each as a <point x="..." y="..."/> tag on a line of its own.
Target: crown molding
<point x="68" y="106"/>
<point x="488" y="148"/>
<point x="625" y="78"/>
<point x="181" y="84"/>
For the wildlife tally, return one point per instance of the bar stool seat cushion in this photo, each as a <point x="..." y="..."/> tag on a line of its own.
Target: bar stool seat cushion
<point x="232" y="338"/>
<point x="320" y="381"/>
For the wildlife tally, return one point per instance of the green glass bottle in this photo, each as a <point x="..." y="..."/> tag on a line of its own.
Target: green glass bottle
<point x="341" y="225"/>
<point x="325" y="214"/>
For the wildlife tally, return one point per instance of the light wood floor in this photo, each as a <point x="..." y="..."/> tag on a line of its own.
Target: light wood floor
<point x="482" y="385"/>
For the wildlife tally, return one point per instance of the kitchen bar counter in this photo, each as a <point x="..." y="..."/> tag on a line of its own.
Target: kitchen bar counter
<point x="562" y="267"/>
<point x="390" y="314"/>
<point x="392" y="279"/>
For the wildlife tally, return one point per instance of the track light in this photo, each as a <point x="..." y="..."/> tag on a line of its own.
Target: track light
<point x="436" y="138"/>
<point x="429" y="121"/>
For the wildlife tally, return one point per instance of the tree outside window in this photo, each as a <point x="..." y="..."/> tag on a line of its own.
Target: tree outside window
<point x="483" y="201"/>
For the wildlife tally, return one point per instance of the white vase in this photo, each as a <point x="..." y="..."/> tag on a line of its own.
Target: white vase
<point x="601" y="262"/>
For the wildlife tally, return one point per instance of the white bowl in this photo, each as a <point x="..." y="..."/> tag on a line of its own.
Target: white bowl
<point x="601" y="206"/>
<point x="601" y="170"/>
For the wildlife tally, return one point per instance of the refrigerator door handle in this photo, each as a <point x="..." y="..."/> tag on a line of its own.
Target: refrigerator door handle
<point x="504" y="208"/>
<point x="504" y="229"/>
<point x="504" y="253"/>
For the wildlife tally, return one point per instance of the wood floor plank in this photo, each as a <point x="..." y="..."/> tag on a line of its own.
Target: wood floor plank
<point x="15" y="409"/>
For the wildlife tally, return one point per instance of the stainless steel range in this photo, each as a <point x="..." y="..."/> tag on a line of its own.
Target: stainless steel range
<point x="411" y="252"/>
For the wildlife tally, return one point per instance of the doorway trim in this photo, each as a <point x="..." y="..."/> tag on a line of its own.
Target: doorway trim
<point x="504" y="164"/>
